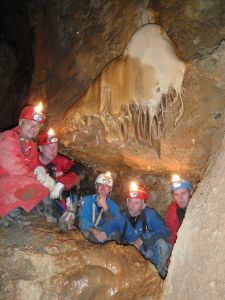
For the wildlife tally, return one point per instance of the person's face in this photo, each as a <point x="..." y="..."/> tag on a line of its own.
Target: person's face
<point x="49" y="152"/>
<point x="29" y="128"/>
<point x="182" y="197"/>
<point x="135" y="206"/>
<point x="103" y="189"/>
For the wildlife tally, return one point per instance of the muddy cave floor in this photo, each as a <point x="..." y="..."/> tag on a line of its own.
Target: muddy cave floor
<point x="39" y="262"/>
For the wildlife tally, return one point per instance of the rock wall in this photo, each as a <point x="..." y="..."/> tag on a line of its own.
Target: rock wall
<point x="16" y="60"/>
<point x="197" y="264"/>
<point x="75" y="40"/>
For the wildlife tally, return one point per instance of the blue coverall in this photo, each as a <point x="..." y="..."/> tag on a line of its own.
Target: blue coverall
<point x="153" y="231"/>
<point x="93" y="216"/>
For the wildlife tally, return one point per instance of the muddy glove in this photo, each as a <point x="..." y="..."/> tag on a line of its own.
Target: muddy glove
<point x="40" y="174"/>
<point x="57" y="191"/>
<point x="44" y="178"/>
<point x="49" y="183"/>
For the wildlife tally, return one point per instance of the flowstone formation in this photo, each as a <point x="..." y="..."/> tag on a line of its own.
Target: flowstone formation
<point x="130" y="97"/>
<point x="37" y="262"/>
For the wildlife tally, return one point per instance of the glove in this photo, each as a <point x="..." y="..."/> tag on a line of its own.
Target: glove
<point x="49" y="183"/>
<point x="44" y="178"/>
<point x="40" y="174"/>
<point x="57" y="191"/>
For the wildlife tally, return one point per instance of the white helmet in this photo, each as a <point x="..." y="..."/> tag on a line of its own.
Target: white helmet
<point x="104" y="178"/>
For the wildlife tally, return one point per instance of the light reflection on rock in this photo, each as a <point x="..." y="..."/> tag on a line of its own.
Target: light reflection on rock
<point x="39" y="263"/>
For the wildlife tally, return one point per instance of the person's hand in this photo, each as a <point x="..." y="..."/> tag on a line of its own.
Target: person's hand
<point x="102" y="202"/>
<point x="138" y="243"/>
<point x="45" y="179"/>
<point x="40" y="174"/>
<point x="100" y="235"/>
<point x="49" y="183"/>
<point x="57" y="191"/>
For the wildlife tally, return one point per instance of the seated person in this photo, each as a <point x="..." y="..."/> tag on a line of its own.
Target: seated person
<point x="143" y="227"/>
<point x="181" y="192"/>
<point x="97" y="209"/>
<point x="20" y="184"/>
<point x="61" y="169"/>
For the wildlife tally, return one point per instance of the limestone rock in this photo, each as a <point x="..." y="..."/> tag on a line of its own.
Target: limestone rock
<point x="37" y="262"/>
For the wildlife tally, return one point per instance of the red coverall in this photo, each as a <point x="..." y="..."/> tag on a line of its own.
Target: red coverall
<point x="61" y="167"/>
<point x="172" y="221"/>
<point x="18" y="185"/>
<point x="60" y="171"/>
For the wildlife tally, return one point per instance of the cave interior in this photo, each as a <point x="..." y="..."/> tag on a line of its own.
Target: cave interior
<point x="136" y="88"/>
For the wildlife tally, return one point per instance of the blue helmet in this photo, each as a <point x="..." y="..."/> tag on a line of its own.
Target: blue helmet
<point x="181" y="184"/>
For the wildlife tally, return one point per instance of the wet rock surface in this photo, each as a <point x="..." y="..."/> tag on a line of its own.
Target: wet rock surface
<point x="37" y="262"/>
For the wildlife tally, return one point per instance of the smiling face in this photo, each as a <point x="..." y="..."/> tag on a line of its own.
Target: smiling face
<point x="29" y="128"/>
<point x="182" y="197"/>
<point x="135" y="206"/>
<point x="48" y="152"/>
<point x="103" y="189"/>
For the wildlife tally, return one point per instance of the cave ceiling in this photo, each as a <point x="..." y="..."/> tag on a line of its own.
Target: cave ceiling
<point x="78" y="42"/>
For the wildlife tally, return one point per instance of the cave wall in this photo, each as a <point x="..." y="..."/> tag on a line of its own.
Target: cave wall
<point x="16" y="60"/>
<point x="197" y="265"/>
<point x="75" y="40"/>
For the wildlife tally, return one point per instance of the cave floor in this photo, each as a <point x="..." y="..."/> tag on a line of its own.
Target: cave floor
<point x="38" y="262"/>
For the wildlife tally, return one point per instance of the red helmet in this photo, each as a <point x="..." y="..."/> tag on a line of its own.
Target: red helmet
<point x="46" y="138"/>
<point x="29" y="113"/>
<point x="139" y="193"/>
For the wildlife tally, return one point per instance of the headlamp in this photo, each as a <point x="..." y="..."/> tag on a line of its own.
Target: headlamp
<point x="53" y="139"/>
<point x="133" y="194"/>
<point x="176" y="185"/>
<point x="106" y="181"/>
<point x="37" y="117"/>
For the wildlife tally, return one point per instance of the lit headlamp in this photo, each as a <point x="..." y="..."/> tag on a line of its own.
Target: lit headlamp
<point x="37" y="117"/>
<point x="137" y="192"/>
<point x="53" y="139"/>
<point x="178" y="183"/>
<point x="133" y="194"/>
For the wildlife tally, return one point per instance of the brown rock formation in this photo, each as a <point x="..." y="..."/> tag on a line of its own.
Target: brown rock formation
<point x="197" y="264"/>
<point x="39" y="263"/>
<point x="70" y="55"/>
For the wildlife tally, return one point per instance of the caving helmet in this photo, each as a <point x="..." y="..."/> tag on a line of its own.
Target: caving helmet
<point x="46" y="138"/>
<point x="33" y="113"/>
<point x="179" y="183"/>
<point x="104" y="178"/>
<point x="137" y="192"/>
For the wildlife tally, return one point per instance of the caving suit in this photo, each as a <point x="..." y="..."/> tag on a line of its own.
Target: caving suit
<point x="18" y="185"/>
<point x="174" y="219"/>
<point x="148" y="226"/>
<point x="63" y="170"/>
<point x="93" y="216"/>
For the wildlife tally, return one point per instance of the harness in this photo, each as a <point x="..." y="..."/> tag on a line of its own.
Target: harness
<point x="22" y="146"/>
<point x="94" y="215"/>
<point x="144" y="224"/>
